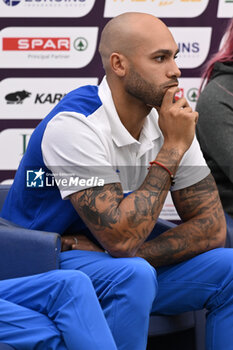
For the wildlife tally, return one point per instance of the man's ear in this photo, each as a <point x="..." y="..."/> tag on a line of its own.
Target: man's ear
<point x="118" y="64"/>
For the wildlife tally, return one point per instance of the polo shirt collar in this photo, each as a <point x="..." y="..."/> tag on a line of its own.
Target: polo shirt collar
<point x="120" y="134"/>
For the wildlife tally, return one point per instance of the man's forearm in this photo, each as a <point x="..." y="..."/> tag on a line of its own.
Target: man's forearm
<point x="121" y="224"/>
<point x="185" y="241"/>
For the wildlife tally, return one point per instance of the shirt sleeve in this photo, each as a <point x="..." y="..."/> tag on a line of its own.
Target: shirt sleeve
<point x="192" y="168"/>
<point x="77" y="153"/>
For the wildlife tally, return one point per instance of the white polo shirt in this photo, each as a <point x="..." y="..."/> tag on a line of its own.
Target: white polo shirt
<point x="97" y="146"/>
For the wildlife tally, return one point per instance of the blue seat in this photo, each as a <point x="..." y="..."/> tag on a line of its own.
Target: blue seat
<point x="5" y="347"/>
<point x="229" y="240"/>
<point x="25" y="252"/>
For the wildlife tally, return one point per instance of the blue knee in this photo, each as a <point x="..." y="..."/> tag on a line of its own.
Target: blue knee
<point x="75" y="280"/>
<point x="137" y="282"/>
<point x="222" y="269"/>
<point x="69" y="281"/>
<point x="223" y="265"/>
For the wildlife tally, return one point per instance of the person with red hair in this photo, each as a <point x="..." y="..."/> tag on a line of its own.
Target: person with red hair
<point x="215" y="124"/>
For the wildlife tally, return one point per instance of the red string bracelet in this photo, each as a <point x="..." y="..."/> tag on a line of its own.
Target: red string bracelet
<point x="165" y="168"/>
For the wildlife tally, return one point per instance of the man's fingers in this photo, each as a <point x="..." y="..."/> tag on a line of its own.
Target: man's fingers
<point x="188" y="109"/>
<point x="68" y="242"/>
<point x="182" y="103"/>
<point x="168" y="98"/>
<point x="196" y="116"/>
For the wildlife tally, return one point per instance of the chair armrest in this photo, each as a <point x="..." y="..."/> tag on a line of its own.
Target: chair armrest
<point x="4" y="346"/>
<point x="26" y="252"/>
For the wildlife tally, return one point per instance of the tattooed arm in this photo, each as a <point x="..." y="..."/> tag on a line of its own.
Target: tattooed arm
<point x="120" y="224"/>
<point x="204" y="226"/>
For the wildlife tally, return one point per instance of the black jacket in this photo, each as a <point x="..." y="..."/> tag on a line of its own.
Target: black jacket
<point x="215" y="129"/>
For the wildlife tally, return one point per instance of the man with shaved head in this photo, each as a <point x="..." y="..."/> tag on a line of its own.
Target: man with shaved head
<point x="128" y="142"/>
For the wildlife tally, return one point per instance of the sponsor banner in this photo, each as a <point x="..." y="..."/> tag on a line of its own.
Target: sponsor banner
<point x="189" y="89"/>
<point x="225" y="8"/>
<point x="193" y="43"/>
<point x="33" y="98"/>
<point x="45" y="8"/>
<point x="13" y="144"/>
<point x="47" y="47"/>
<point x="168" y="211"/>
<point x="159" y="8"/>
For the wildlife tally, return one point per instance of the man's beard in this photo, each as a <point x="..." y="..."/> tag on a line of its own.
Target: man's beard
<point x="146" y="92"/>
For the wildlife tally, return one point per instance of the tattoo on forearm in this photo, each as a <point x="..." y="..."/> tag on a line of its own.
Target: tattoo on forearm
<point x="88" y="203"/>
<point x="197" y="198"/>
<point x="128" y="221"/>
<point x="203" y="228"/>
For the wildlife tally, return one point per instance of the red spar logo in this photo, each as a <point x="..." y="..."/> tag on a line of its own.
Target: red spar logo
<point x="36" y="44"/>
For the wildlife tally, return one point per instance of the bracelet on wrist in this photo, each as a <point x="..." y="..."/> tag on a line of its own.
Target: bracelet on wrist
<point x="172" y="177"/>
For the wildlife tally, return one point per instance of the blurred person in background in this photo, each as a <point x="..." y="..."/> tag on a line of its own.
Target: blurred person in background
<point x="215" y="124"/>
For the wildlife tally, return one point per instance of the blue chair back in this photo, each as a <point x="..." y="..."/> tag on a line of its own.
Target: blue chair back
<point x="25" y="252"/>
<point x="229" y="239"/>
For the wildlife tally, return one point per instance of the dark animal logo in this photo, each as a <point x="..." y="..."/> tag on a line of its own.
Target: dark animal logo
<point x="11" y="2"/>
<point x="17" y="97"/>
